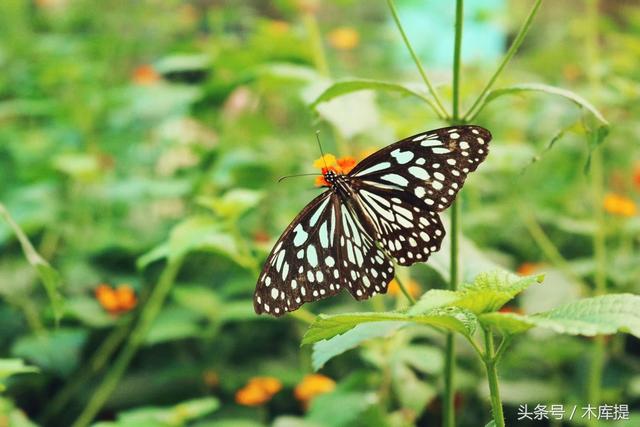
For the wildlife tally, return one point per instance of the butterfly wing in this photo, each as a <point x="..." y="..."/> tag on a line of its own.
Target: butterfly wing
<point x="407" y="231"/>
<point x="431" y="165"/>
<point x="401" y="188"/>
<point x="324" y="249"/>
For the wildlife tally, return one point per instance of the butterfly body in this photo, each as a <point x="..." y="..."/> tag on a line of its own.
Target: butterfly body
<point x="383" y="211"/>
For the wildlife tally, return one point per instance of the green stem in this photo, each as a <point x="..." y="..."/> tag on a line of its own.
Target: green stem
<point x="136" y="339"/>
<point x="515" y="45"/>
<point x="437" y="106"/>
<point x="543" y="241"/>
<point x="490" y="362"/>
<point x="598" y="353"/>
<point x="404" y="290"/>
<point x="98" y="361"/>
<point x="457" y="51"/>
<point x="303" y="315"/>
<point x="317" y="49"/>
<point x="448" y="417"/>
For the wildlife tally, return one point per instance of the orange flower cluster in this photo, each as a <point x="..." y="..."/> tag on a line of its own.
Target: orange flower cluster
<point x="258" y="390"/>
<point x="636" y="176"/>
<point x="617" y="204"/>
<point x="344" y="38"/>
<point x="145" y="75"/>
<point x="528" y="268"/>
<point x="329" y="162"/>
<point x="116" y="300"/>
<point x="411" y="285"/>
<point x="312" y="386"/>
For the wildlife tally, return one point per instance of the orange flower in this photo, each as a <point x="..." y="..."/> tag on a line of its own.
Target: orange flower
<point x="616" y="204"/>
<point x="258" y="390"/>
<point x="411" y="286"/>
<point x="528" y="268"/>
<point x="510" y="309"/>
<point x="344" y="38"/>
<point x="211" y="378"/>
<point x="328" y="162"/>
<point x="278" y="26"/>
<point x="115" y="301"/>
<point x="313" y="385"/>
<point x="145" y="75"/>
<point x="636" y="176"/>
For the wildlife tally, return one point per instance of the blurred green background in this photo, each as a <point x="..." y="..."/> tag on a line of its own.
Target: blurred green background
<point x="140" y="135"/>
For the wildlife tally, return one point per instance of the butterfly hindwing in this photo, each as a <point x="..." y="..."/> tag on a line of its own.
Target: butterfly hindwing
<point x="431" y="165"/>
<point x="408" y="232"/>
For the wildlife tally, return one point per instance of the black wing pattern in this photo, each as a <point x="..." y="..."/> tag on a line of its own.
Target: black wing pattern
<point x="402" y="187"/>
<point x="324" y="249"/>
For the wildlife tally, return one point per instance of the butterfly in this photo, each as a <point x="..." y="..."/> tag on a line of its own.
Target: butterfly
<point x="384" y="211"/>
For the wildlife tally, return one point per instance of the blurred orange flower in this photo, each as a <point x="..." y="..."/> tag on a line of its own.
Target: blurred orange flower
<point x="344" y="38"/>
<point x="527" y="268"/>
<point x="617" y="204"/>
<point x="329" y="162"/>
<point x="211" y="378"/>
<point x="510" y="309"/>
<point x="145" y="75"/>
<point x="116" y="300"/>
<point x="636" y="176"/>
<point x="313" y="385"/>
<point x="411" y="285"/>
<point x="279" y="27"/>
<point x="258" y="390"/>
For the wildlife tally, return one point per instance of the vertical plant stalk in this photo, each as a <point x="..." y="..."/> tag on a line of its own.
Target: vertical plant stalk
<point x="596" y="368"/>
<point x="404" y="290"/>
<point x="147" y="316"/>
<point x="98" y="361"/>
<point x="490" y="362"/>
<point x="437" y="104"/>
<point x="448" y="415"/>
<point x="515" y="45"/>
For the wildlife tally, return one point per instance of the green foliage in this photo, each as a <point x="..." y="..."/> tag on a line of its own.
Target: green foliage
<point x="152" y="161"/>
<point x="9" y="367"/>
<point x="177" y="415"/>
<point x="606" y="314"/>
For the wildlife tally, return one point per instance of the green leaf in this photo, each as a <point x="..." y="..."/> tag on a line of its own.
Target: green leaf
<point x="339" y="408"/>
<point x="89" y="312"/>
<point x="606" y="314"/>
<point x="174" y="323"/>
<point x="489" y="292"/>
<point x="349" y="86"/>
<point x="413" y="393"/>
<point x="177" y="415"/>
<point x="324" y="351"/>
<point x="449" y="318"/>
<point x="233" y="203"/>
<point x="10" y="367"/>
<point x="551" y="90"/>
<point x="58" y="351"/>
<point x="506" y="323"/>
<point x="423" y="358"/>
<point x="196" y="233"/>
<point x="49" y="277"/>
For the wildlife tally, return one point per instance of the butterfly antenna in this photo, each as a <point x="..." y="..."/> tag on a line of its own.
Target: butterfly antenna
<point x="321" y="152"/>
<point x="296" y="175"/>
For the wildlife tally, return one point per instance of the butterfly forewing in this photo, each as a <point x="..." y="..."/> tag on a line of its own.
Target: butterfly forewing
<point x="431" y="165"/>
